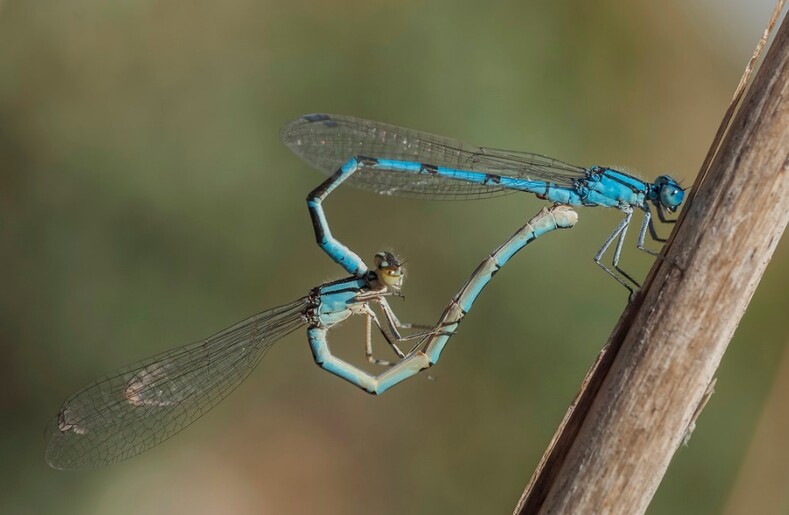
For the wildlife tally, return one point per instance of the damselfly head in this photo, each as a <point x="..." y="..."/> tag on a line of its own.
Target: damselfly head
<point x="389" y="270"/>
<point x="670" y="193"/>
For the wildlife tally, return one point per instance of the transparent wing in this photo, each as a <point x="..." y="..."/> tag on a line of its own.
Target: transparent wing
<point x="137" y="407"/>
<point x="327" y="141"/>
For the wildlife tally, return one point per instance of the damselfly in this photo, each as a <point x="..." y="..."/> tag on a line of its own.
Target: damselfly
<point x="392" y="160"/>
<point x="135" y="408"/>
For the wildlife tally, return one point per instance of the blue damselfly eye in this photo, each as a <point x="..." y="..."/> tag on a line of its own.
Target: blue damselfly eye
<point x="671" y="196"/>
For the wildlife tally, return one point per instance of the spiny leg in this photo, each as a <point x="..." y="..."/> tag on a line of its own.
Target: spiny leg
<point x="391" y="339"/>
<point x="619" y="233"/>
<point x="368" y="346"/>
<point x="618" y="253"/>
<point x="653" y="230"/>
<point x="661" y="214"/>
<point x="438" y="329"/>
<point x="649" y="223"/>
<point x="394" y="323"/>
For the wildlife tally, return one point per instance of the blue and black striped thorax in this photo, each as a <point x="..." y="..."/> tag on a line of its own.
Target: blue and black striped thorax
<point x="608" y="187"/>
<point x="336" y="296"/>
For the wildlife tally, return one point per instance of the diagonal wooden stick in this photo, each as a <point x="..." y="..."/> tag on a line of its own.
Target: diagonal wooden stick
<point x="643" y="393"/>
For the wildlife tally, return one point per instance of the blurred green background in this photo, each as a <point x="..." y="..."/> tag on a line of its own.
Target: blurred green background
<point x="147" y="202"/>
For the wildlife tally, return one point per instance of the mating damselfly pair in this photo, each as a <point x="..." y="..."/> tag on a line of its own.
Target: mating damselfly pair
<point x="137" y="407"/>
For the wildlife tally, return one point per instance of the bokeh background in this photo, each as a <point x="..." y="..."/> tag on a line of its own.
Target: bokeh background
<point x="147" y="202"/>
